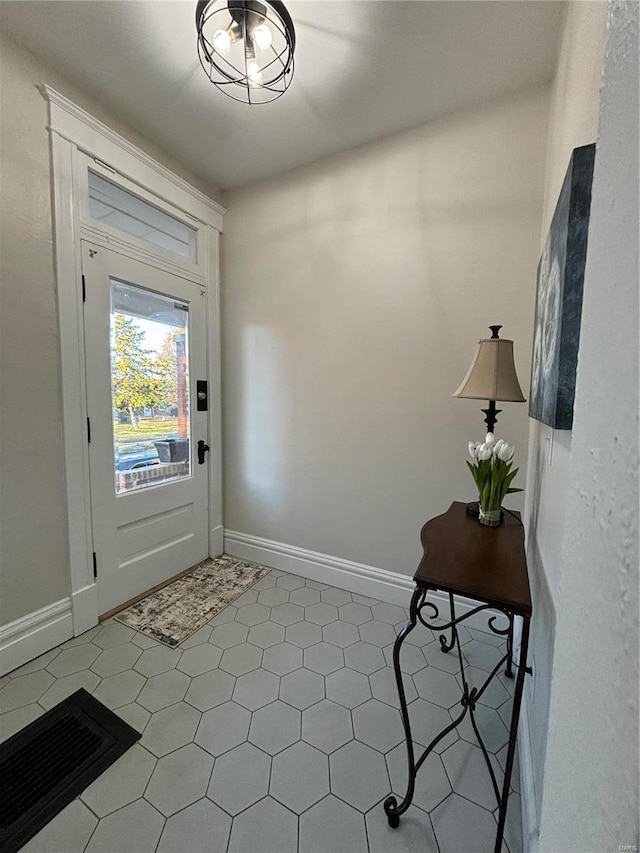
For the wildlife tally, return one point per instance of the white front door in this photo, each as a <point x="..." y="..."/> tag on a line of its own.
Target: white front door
<point x="145" y="343"/>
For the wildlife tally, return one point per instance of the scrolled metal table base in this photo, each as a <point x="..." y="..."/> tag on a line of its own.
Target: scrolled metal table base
<point x="470" y="695"/>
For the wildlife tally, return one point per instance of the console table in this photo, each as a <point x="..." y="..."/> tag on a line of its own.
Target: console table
<point x="488" y="565"/>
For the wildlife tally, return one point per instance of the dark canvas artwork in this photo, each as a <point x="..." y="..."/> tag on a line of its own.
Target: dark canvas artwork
<point x="559" y="297"/>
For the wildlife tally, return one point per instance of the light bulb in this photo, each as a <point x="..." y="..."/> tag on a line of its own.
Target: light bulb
<point x="221" y="41"/>
<point x="262" y="36"/>
<point x="254" y="74"/>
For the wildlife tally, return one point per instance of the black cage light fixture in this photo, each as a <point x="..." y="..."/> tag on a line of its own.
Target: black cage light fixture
<point x="246" y="47"/>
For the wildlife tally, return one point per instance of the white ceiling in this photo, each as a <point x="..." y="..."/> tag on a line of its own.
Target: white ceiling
<point x="364" y="69"/>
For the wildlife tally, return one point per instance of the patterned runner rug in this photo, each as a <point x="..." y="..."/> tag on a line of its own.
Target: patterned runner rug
<point x="173" y="613"/>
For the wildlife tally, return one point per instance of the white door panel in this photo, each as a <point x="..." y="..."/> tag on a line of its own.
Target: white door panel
<point x="145" y="349"/>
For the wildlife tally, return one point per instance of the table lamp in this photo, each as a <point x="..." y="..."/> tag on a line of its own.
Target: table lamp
<point x="492" y="376"/>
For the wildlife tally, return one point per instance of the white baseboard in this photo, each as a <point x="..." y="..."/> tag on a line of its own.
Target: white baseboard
<point x="85" y="609"/>
<point x="34" y="634"/>
<point x="528" y="796"/>
<point x="216" y="541"/>
<point x="334" y="571"/>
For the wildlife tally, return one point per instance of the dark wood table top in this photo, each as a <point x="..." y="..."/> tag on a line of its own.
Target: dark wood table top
<point x="484" y="563"/>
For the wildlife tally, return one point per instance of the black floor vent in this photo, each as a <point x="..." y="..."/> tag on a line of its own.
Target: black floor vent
<point x="52" y="760"/>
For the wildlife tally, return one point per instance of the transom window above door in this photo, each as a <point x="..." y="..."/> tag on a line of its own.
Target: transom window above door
<point x="118" y="208"/>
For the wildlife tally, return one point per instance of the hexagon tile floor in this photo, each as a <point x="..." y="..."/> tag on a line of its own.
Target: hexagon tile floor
<point x="275" y="728"/>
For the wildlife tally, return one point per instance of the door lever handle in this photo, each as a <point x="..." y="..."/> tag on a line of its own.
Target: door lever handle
<point x="202" y="449"/>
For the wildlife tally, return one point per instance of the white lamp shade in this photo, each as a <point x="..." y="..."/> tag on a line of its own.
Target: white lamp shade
<point x="492" y="375"/>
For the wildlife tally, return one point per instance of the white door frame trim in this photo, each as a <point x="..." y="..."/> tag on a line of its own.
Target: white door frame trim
<point x="73" y="130"/>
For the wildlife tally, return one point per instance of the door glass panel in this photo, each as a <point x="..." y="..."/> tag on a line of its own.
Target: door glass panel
<point x="149" y="387"/>
<point x="127" y="212"/>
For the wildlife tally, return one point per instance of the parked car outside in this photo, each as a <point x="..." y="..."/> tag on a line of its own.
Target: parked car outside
<point x="137" y="460"/>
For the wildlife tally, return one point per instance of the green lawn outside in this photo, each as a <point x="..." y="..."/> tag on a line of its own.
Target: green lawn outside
<point x="147" y="428"/>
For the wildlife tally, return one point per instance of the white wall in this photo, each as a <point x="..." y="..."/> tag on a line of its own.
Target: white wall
<point x="591" y="775"/>
<point x="573" y="122"/>
<point x="354" y="292"/>
<point x="34" y="570"/>
<point x="575" y="99"/>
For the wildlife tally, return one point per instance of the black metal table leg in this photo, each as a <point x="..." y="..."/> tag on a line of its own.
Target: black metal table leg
<point x="509" y="670"/>
<point x="513" y="730"/>
<point x="444" y="646"/>
<point x="418" y="600"/>
<point x="391" y="807"/>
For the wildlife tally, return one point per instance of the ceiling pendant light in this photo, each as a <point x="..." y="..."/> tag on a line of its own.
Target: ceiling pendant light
<point x="246" y="47"/>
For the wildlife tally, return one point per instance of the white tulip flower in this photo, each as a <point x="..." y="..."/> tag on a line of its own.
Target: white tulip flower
<point x="506" y="452"/>
<point x="492" y="473"/>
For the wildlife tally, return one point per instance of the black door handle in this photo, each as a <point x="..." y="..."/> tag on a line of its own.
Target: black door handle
<point x="202" y="449"/>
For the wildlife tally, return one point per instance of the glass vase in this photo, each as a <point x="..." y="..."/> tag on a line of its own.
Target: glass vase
<point x="490" y="517"/>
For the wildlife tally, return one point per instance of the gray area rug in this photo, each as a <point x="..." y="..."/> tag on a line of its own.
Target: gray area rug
<point x="173" y="613"/>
